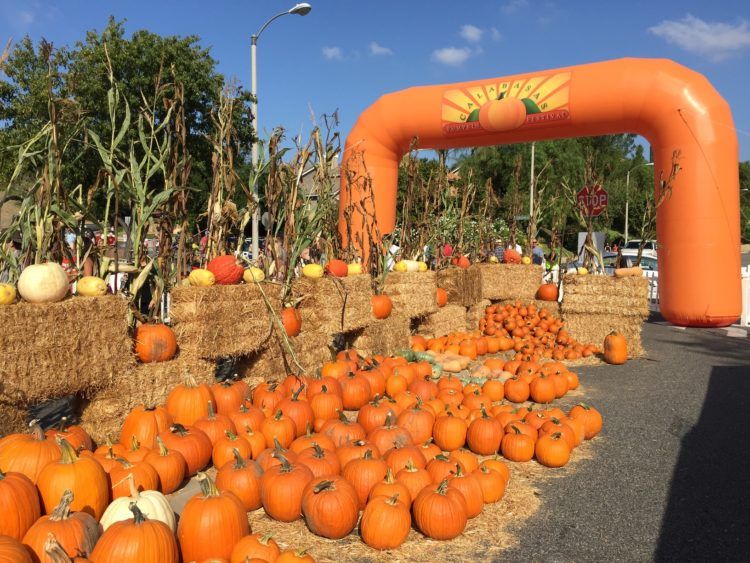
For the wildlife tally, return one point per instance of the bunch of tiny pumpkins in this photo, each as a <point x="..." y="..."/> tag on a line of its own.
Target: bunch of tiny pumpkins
<point x="533" y="333"/>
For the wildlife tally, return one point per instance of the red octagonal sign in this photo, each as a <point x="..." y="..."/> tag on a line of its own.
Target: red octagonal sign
<point x="593" y="200"/>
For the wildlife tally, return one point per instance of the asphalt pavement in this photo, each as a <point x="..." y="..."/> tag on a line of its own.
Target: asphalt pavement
<point x="669" y="479"/>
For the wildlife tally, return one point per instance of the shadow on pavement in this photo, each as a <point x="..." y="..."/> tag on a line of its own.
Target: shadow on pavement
<point x="708" y="511"/>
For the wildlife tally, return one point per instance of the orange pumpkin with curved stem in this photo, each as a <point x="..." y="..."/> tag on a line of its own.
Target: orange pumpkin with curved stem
<point x="440" y="513"/>
<point x="330" y="506"/>
<point x="255" y="546"/>
<point x="281" y="489"/>
<point x="144" y="424"/>
<point x="552" y="450"/>
<point x="385" y="522"/>
<point x="28" y="453"/>
<point x="189" y="401"/>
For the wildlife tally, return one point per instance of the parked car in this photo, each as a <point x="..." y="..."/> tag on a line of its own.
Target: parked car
<point x="649" y="263"/>
<point x="649" y="249"/>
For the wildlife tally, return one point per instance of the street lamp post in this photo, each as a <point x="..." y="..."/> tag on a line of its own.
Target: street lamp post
<point x="301" y="9"/>
<point x="627" y="197"/>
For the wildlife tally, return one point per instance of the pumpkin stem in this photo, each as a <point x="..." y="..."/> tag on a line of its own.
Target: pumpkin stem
<point x="319" y="453"/>
<point x="178" y="428"/>
<point x="368" y="455"/>
<point x="323" y="486"/>
<point x="278" y="415"/>
<point x="190" y="381"/>
<point x="134" y="444"/>
<point x="62" y="510"/>
<point x="231" y="435"/>
<point x="239" y="461"/>
<point x="484" y="411"/>
<point x="515" y="429"/>
<point x="442" y="457"/>
<point x="459" y="472"/>
<point x="211" y="412"/>
<point x="342" y="417"/>
<point x="442" y="487"/>
<point x="393" y="501"/>
<point x="208" y="487"/>
<point x="265" y="539"/>
<point x="556" y="436"/>
<point x="324" y="389"/>
<point x="62" y="424"/>
<point x="410" y="467"/>
<point x="54" y="550"/>
<point x="36" y="430"/>
<point x="296" y="394"/>
<point x="163" y="451"/>
<point x="390" y="420"/>
<point x="278" y="448"/>
<point x="69" y="455"/>
<point x="138" y="516"/>
<point x="389" y="476"/>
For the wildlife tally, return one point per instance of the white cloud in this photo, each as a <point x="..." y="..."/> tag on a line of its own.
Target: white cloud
<point x="495" y="34"/>
<point x="471" y="33"/>
<point x="333" y="53"/>
<point x="713" y="40"/>
<point x="512" y="6"/>
<point x="376" y="49"/>
<point x="25" y="17"/>
<point x="451" y="55"/>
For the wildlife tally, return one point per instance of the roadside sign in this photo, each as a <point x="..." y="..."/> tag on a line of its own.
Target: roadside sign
<point x="593" y="200"/>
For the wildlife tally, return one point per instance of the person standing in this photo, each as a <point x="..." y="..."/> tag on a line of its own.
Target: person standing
<point x="537" y="254"/>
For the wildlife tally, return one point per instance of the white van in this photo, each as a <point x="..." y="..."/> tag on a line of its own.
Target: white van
<point x="649" y="249"/>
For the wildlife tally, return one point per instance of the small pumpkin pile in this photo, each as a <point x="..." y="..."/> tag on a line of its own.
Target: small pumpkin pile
<point x="533" y="333"/>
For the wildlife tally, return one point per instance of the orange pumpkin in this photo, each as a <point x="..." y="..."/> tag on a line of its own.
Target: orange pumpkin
<point x="547" y="292"/>
<point x="155" y="343"/>
<point x="337" y="268"/>
<point x="502" y="115"/>
<point x="381" y="306"/>
<point x="291" y="320"/>
<point x="442" y="297"/>
<point x="226" y="269"/>
<point x="615" y="348"/>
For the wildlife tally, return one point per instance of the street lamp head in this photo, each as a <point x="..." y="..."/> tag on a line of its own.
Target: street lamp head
<point x="301" y="9"/>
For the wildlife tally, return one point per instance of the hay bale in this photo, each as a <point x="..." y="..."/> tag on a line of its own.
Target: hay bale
<point x="222" y="320"/>
<point x="476" y="313"/>
<point x="594" y="306"/>
<point x="413" y="293"/>
<point x="447" y="319"/>
<point x="508" y="281"/>
<point x="384" y="336"/>
<point x="463" y="285"/>
<point x="144" y="384"/>
<point x="12" y="418"/>
<point x="334" y="305"/>
<point x="55" y="349"/>
<point x="274" y="361"/>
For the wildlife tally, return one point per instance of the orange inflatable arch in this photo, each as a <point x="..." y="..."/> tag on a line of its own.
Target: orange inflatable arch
<point x="676" y="109"/>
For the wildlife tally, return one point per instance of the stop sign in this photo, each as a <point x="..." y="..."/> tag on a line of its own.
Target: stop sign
<point x="592" y="200"/>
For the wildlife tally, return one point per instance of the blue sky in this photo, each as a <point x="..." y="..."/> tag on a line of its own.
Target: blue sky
<point x="346" y="53"/>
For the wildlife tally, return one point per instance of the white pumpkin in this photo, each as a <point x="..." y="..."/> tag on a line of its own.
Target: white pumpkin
<point x="43" y="283"/>
<point x="91" y="286"/>
<point x="153" y="504"/>
<point x="7" y="294"/>
<point x="407" y="266"/>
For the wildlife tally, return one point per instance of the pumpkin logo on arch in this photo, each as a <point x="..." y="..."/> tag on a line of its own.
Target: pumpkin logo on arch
<point x="506" y="104"/>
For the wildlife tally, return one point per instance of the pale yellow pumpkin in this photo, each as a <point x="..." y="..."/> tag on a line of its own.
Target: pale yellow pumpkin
<point x="406" y="266"/>
<point x="354" y="269"/>
<point x="253" y="274"/>
<point x="201" y="278"/>
<point x="312" y="271"/>
<point x="91" y="286"/>
<point x="526" y="260"/>
<point x="7" y="294"/>
<point x="422" y="266"/>
<point x="43" y="283"/>
<point x="582" y="271"/>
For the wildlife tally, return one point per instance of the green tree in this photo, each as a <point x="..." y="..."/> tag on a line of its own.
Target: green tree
<point x="142" y="63"/>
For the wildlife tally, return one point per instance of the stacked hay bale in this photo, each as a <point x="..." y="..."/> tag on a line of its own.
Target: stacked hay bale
<point x="334" y="305"/>
<point x="223" y="320"/>
<point x="276" y="359"/>
<point x="384" y="336"/>
<point x="414" y="294"/>
<point x="475" y="313"/>
<point x="463" y="285"/>
<point x="76" y="346"/>
<point x="508" y="281"/>
<point x="144" y="384"/>
<point x="447" y="319"/>
<point x="594" y="306"/>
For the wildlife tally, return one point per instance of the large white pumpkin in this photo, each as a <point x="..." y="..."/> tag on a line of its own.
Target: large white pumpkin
<point x="153" y="504"/>
<point x="43" y="283"/>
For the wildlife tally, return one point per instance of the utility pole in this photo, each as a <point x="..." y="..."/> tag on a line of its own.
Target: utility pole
<point x="531" y="184"/>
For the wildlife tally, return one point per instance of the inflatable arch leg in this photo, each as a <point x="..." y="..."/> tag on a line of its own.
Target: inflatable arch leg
<point x="676" y="109"/>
